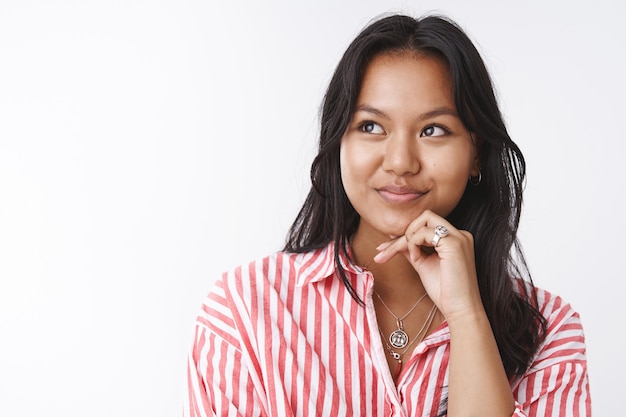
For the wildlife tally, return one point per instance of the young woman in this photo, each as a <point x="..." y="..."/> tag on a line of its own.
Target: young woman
<point x="401" y="289"/>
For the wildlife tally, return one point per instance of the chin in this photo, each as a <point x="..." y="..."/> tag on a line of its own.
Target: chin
<point x="395" y="229"/>
<point x="390" y="226"/>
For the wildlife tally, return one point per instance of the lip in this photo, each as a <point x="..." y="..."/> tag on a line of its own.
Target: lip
<point x="396" y="194"/>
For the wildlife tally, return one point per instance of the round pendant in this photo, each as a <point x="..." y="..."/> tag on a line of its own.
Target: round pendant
<point x="399" y="339"/>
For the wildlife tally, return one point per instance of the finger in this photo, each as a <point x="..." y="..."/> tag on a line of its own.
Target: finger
<point x="389" y="249"/>
<point x="413" y="247"/>
<point x="384" y="245"/>
<point x="428" y="237"/>
<point x="415" y="252"/>
<point x="430" y="220"/>
<point x="420" y="233"/>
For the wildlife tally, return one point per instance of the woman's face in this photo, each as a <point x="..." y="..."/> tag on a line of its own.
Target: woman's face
<point x="405" y="149"/>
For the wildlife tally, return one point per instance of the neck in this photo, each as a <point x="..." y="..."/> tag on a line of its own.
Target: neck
<point x="396" y="280"/>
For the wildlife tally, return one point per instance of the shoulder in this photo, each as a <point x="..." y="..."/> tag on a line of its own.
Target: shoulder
<point x="224" y="309"/>
<point x="242" y="293"/>
<point x="552" y="307"/>
<point x="565" y="339"/>
<point x="280" y="271"/>
<point x="555" y="309"/>
<point x="251" y="299"/>
<point x="250" y="280"/>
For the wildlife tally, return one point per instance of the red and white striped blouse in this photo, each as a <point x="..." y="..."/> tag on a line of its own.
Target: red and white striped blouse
<point x="283" y="337"/>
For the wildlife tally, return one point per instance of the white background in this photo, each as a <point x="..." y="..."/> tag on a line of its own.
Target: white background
<point x="146" y="146"/>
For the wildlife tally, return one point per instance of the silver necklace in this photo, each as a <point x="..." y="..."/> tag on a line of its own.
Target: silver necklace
<point x="419" y="336"/>
<point x="398" y="338"/>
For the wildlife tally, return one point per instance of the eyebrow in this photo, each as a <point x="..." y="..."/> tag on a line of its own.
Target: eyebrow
<point x="439" y="111"/>
<point x="370" y="109"/>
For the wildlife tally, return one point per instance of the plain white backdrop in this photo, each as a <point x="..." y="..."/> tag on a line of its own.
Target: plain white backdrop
<point x="147" y="146"/>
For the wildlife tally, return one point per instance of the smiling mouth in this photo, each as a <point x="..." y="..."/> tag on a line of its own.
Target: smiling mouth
<point x="399" y="195"/>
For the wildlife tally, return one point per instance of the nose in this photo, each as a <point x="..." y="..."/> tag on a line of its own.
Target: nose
<point x="401" y="156"/>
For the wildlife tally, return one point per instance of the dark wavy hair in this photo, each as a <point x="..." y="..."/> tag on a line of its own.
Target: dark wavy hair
<point x="489" y="210"/>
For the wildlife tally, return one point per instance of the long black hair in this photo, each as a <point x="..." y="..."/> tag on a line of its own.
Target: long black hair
<point x="489" y="210"/>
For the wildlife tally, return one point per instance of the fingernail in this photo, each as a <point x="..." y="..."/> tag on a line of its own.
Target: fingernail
<point x="378" y="256"/>
<point x="382" y="246"/>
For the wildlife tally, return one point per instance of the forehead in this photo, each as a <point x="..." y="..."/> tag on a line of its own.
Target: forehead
<point x="406" y="77"/>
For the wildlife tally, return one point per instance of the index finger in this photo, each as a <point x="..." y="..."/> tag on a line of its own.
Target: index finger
<point x="389" y="249"/>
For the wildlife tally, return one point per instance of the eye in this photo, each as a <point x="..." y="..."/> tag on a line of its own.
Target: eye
<point x="371" y="127"/>
<point x="434" y="131"/>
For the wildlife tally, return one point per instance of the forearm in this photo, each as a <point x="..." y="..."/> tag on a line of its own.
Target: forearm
<point x="478" y="385"/>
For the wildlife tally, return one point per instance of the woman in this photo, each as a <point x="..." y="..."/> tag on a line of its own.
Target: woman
<point x="397" y="292"/>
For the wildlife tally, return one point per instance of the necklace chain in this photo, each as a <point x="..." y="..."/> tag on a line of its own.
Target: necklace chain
<point x="399" y="338"/>
<point x="422" y="331"/>
<point x="399" y="319"/>
<point x="429" y="320"/>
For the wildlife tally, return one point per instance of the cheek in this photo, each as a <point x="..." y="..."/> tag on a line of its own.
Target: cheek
<point x="353" y="164"/>
<point x="459" y="161"/>
<point x="452" y="172"/>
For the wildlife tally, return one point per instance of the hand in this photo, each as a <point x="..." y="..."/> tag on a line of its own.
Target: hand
<point x="447" y="271"/>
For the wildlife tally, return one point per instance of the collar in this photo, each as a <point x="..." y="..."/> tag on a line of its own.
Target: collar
<point x="319" y="264"/>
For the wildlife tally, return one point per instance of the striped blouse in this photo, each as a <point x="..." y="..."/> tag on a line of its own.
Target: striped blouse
<point x="283" y="337"/>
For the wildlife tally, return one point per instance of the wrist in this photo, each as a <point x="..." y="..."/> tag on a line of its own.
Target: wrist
<point x="468" y="318"/>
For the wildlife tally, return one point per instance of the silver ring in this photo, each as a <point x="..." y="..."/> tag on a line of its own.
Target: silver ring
<point x="440" y="231"/>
